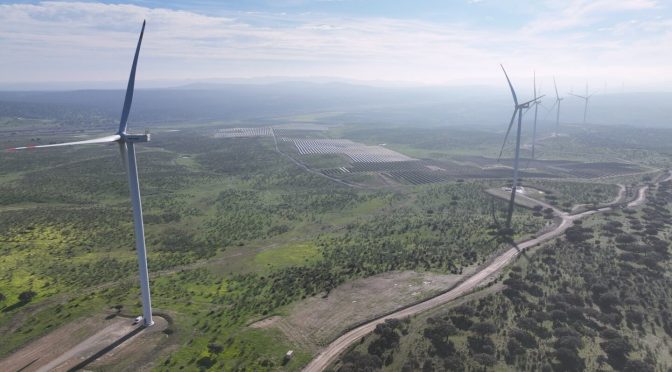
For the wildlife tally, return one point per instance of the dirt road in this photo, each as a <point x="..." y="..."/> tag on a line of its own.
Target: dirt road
<point x="641" y="193"/>
<point x="333" y="350"/>
<point x="641" y="197"/>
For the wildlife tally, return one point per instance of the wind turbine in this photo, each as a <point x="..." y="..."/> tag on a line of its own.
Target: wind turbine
<point x="558" y="99"/>
<point x="127" y="143"/>
<point x="517" y="110"/>
<point x="585" y="98"/>
<point x="536" y="108"/>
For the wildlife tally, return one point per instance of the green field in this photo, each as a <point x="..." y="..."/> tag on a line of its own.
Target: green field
<point x="237" y="232"/>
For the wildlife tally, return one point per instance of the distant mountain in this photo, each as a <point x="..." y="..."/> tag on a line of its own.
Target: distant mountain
<point x="264" y="103"/>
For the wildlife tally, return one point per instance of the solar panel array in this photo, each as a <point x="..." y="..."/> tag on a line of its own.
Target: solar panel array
<point x="357" y="152"/>
<point x="243" y="132"/>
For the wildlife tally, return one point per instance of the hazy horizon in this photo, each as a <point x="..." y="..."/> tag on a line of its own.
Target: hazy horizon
<point x="522" y="83"/>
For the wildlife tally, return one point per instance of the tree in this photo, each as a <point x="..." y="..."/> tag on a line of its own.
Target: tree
<point x="608" y="300"/>
<point x="215" y="348"/>
<point x="485" y="360"/>
<point x="525" y="338"/>
<point x="617" y="350"/>
<point x="637" y="366"/>
<point x="484" y="328"/>
<point x="569" y="342"/>
<point x="205" y="362"/>
<point x="356" y="361"/>
<point x="26" y="296"/>
<point x="514" y="347"/>
<point x="569" y="359"/>
<point x="481" y="345"/>
<point x="438" y="333"/>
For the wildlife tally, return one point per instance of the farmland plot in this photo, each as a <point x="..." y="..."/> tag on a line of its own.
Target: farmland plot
<point x="596" y="170"/>
<point x="563" y="168"/>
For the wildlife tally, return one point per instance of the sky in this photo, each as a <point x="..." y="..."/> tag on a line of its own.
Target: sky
<point x="614" y="45"/>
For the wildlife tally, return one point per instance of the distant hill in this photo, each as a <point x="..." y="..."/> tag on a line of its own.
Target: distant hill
<point x="420" y="106"/>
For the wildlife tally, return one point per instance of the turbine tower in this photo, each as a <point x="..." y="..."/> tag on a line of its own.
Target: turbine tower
<point x="536" y="109"/>
<point x="517" y="110"/>
<point x="127" y="143"/>
<point x="585" y="98"/>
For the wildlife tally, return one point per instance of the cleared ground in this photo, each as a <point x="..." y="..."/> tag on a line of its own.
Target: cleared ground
<point x="95" y="340"/>
<point x="315" y="321"/>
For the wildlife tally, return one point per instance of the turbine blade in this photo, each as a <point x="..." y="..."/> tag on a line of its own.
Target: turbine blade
<point x="557" y="95"/>
<point x="131" y="86"/>
<point x="552" y="107"/>
<point x="513" y="92"/>
<point x="513" y="117"/>
<point x="532" y="100"/>
<point x="124" y="159"/>
<point x="534" y="80"/>
<point x="576" y="95"/>
<point x="107" y="139"/>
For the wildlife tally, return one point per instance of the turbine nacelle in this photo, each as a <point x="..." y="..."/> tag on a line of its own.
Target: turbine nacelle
<point x="135" y="138"/>
<point x="527" y="104"/>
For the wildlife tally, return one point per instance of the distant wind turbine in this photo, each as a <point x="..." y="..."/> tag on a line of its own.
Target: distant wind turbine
<point x="126" y="143"/>
<point x="517" y="110"/>
<point x="585" y="98"/>
<point x="536" y="108"/>
<point x="558" y="99"/>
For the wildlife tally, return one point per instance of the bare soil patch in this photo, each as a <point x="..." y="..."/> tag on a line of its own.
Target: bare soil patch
<point x="138" y="353"/>
<point x="265" y="323"/>
<point x="316" y="321"/>
<point x="81" y="340"/>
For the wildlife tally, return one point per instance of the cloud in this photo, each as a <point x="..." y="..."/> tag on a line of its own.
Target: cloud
<point x="572" y="14"/>
<point x="58" y="41"/>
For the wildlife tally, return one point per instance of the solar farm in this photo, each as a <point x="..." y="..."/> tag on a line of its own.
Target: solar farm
<point x="359" y="158"/>
<point x="357" y="152"/>
<point x="243" y="132"/>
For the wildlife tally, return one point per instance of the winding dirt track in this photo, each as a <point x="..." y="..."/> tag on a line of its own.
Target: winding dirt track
<point x="333" y="350"/>
<point x="641" y="197"/>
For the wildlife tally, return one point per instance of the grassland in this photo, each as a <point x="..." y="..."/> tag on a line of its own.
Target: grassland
<point x="236" y="232"/>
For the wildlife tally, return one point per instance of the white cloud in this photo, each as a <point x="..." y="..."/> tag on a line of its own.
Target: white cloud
<point x="59" y="41"/>
<point x="563" y="15"/>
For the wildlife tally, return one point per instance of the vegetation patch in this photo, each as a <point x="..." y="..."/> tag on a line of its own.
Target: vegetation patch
<point x="290" y="255"/>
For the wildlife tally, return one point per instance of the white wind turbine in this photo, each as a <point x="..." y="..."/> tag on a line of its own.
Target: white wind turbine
<point x="558" y="99"/>
<point x="517" y="110"/>
<point x="585" y="98"/>
<point x="127" y="143"/>
<point x="536" y="110"/>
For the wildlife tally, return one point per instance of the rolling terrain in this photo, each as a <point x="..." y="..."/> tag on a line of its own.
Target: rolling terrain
<point x="243" y="228"/>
